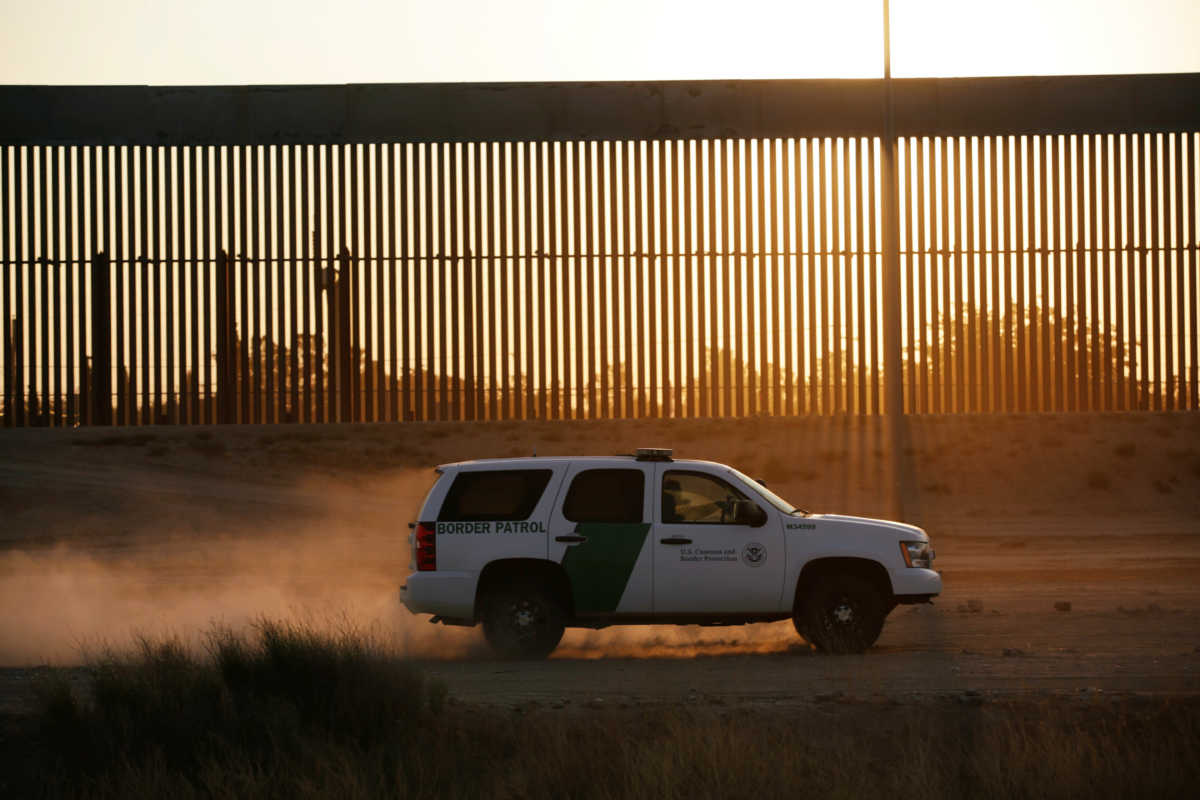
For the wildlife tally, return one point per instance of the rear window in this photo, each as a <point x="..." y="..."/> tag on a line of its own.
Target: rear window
<point x="502" y="495"/>
<point x="606" y="495"/>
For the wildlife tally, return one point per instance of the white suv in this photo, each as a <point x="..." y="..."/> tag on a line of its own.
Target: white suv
<point x="529" y="546"/>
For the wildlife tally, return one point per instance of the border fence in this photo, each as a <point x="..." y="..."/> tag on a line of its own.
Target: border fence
<point x="555" y="251"/>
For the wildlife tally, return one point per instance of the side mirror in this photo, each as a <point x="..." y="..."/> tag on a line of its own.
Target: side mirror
<point x="747" y="512"/>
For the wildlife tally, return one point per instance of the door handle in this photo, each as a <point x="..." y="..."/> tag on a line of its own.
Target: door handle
<point x="676" y="540"/>
<point x="570" y="539"/>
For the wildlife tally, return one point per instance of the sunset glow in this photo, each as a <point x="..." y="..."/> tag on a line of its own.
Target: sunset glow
<point x="600" y="398"/>
<point x="273" y="42"/>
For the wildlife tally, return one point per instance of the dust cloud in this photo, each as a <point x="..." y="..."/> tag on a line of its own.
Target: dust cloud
<point x="178" y="561"/>
<point x="65" y="603"/>
<point x="68" y="603"/>
<point x="178" y="567"/>
<point x="676" y="641"/>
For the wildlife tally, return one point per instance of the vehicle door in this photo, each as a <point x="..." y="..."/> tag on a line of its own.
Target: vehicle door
<point x="706" y="562"/>
<point x="598" y="532"/>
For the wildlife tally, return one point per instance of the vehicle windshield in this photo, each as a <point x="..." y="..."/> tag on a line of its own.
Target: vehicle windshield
<point x="768" y="495"/>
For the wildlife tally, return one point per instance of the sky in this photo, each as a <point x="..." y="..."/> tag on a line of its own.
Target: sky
<point x="171" y="42"/>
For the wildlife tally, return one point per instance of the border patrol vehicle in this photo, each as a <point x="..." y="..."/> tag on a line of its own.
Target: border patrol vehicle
<point x="529" y="546"/>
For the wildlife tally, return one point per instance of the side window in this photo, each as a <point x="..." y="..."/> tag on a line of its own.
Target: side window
<point x="502" y="495"/>
<point x="606" y="495"/>
<point x="697" y="498"/>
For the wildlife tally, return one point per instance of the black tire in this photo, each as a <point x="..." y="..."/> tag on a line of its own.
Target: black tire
<point x="841" y="614"/>
<point x="523" y="621"/>
<point x="798" y="623"/>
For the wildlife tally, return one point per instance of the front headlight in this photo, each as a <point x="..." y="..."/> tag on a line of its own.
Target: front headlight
<point x="917" y="554"/>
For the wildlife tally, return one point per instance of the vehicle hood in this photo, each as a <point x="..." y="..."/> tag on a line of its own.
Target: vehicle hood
<point x="867" y="523"/>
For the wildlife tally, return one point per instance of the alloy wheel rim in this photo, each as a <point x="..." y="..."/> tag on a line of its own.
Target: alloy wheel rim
<point x="843" y="613"/>
<point x="524" y="618"/>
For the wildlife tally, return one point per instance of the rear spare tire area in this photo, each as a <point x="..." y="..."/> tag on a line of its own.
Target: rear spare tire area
<point x="522" y="619"/>
<point x="841" y="613"/>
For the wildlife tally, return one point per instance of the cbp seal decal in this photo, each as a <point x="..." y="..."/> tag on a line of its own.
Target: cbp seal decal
<point x="754" y="554"/>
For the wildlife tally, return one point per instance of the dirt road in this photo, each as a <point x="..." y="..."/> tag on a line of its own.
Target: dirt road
<point x="1090" y="653"/>
<point x="106" y="535"/>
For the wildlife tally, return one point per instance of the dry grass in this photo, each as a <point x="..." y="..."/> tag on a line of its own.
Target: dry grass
<point x="291" y="713"/>
<point x="163" y="721"/>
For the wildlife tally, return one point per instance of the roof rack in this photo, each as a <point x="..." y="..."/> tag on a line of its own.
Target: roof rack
<point x="654" y="454"/>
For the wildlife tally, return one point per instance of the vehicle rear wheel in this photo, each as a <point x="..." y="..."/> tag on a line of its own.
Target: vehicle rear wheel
<point x="841" y="614"/>
<point x="798" y="623"/>
<point x="523" y="621"/>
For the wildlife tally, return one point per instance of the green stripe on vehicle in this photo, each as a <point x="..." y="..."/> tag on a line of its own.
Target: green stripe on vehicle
<point x="599" y="568"/>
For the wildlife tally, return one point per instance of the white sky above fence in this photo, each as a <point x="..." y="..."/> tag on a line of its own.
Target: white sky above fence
<point x="364" y="41"/>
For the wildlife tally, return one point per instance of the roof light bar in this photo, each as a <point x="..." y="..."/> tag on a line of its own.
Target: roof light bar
<point x="654" y="453"/>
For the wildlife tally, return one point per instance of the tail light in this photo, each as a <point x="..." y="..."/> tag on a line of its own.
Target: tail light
<point x="426" y="546"/>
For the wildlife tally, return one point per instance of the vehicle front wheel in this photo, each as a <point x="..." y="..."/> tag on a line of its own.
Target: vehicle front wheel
<point x="523" y="621"/>
<point x="841" y="614"/>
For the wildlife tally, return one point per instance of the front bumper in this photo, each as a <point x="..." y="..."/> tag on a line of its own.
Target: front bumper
<point x="909" y="581"/>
